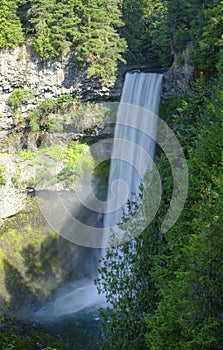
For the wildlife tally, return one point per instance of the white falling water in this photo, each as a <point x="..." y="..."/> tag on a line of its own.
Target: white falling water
<point x="136" y="120"/>
<point x="77" y="296"/>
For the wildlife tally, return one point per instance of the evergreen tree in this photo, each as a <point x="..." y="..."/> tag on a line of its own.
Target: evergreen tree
<point x="174" y="282"/>
<point x="134" y="31"/>
<point x="125" y="274"/>
<point x="207" y="38"/>
<point x="10" y="26"/>
<point x="54" y="25"/>
<point x="147" y="33"/>
<point x="100" y="46"/>
<point x="190" y="277"/>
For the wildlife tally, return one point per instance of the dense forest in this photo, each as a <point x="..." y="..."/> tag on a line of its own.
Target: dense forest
<point x="166" y="291"/>
<point x="106" y="33"/>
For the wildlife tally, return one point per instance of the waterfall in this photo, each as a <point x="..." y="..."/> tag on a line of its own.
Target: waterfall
<point x="135" y="130"/>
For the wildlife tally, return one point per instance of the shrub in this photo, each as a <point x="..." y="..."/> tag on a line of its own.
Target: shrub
<point x="19" y="96"/>
<point x="77" y="160"/>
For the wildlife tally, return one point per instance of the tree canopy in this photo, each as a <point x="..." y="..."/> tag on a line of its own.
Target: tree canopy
<point x="104" y="33"/>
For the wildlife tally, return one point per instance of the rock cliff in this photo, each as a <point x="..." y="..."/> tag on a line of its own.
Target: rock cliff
<point x="21" y="67"/>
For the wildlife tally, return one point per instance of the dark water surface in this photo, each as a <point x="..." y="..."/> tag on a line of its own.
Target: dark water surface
<point x="81" y="330"/>
<point x="73" y="314"/>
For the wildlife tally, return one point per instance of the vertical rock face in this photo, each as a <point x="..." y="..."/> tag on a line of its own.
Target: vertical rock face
<point x="21" y="67"/>
<point x="177" y="80"/>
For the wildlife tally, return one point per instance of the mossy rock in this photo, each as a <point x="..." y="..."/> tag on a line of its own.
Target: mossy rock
<point x="34" y="259"/>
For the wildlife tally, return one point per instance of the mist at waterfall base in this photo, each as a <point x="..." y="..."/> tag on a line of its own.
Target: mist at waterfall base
<point x="73" y="314"/>
<point x="73" y="311"/>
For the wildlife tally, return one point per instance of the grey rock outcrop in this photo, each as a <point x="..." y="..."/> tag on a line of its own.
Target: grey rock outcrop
<point x="21" y="67"/>
<point x="177" y="80"/>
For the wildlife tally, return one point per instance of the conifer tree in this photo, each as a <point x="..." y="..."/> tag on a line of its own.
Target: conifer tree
<point x="10" y="26"/>
<point x="190" y="277"/>
<point x="207" y="37"/>
<point x="147" y="33"/>
<point x="100" y="46"/>
<point x="54" y="25"/>
<point x="125" y="275"/>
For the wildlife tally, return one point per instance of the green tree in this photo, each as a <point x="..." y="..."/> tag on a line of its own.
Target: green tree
<point x="173" y="282"/>
<point x="10" y="26"/>
<point x="146" y="32"/>
<point x="134" y="31"/>
<point x="54" y="25"/>
<point x="190" y="278"/>
<point x="125" y="275"/>
<point x="206" y="36"/>
<point x="100" y="47"/>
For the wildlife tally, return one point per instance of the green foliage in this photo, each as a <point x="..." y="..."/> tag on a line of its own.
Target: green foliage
<point x="43" y="174"/>
<point x="30" y="252"/>
<point x="43" y="117"/>
<point x="47" y="115"/>
<point x="11" y="341"/>
<point x="54" y="25"/>
<point x="77" y="160"/>
<point x="102" y="169"/>
<point x="27" y="155"/>
<point x="2" y="175"/>
<point x="206" y="37"/>
<point x="54" y="152"/>
<point x="19" y="96"/>
<point x="90" y="26"/>
<point x="155" y="31"/>
<point x="125" y="273"/>
<point x="65" y="100"/>
<point x="189" y="280"/>
<point x="18" y="335"/>
<point x="11" y="32"/>
<point x="16" y="178"/>
<point x="188" y="314"/>
<point x="147" y="33"/>
<point x="100" y="45"/>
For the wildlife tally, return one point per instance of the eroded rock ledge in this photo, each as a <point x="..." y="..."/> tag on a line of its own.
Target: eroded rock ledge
<point x="21" y="67"/>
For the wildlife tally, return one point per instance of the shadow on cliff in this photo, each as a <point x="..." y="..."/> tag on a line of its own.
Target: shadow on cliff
<point x="70" y="72"/>
<point x="42" y="270"/>
<point x="18" y="289"/>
